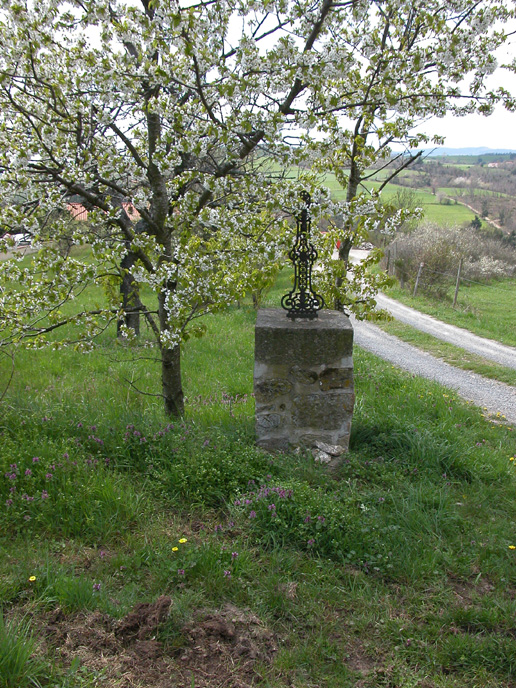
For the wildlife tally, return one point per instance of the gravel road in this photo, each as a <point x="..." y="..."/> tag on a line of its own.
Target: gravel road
<point x="487" y="348"/>
<point x="494" y="396"/>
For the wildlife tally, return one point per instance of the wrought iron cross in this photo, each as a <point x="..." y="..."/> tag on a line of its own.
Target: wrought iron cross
<point x="302" y="301"/>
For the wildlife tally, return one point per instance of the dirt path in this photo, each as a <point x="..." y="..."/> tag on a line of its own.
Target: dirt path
<point x="491" y="222"/>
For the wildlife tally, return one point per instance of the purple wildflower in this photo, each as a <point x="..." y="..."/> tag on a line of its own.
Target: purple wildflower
<point x="234" y="555"/>
<point x="28" y="471"/>
<point x="227" y="574"/>
<point x="252" y="514"/>
<point x="49" y="476"/>
<point x="310" y="542"/>
<point x="180" y="572"/>
<point x="96" y="587"/>
<point x="8" y="502"/>
<point x="44" y="494"/>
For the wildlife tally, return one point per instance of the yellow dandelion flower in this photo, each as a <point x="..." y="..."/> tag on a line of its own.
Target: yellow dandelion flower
<point x="32" y="579"/>
<point x="512" y="546"/>
<point x="511" y="458"/>
<point x="175" y="549"/>
<point x="183" y="540"/>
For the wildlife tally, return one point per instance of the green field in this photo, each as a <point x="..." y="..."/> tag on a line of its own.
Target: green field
<point x="434" y="211"/>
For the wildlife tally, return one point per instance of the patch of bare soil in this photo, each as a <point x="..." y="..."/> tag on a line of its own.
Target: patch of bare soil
<point x="466" y="590"/>
<point x="224" y="648"/>
<point x="358" y="660"/>
<point x="221" y="648"/>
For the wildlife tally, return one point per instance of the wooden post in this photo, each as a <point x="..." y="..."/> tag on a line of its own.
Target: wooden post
<point x="417" y="278"/>
<point x="388" y="261"/>
<point x="457" y="284"/>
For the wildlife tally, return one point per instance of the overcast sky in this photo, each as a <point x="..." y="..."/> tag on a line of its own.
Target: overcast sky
<point x="475" y="131"/>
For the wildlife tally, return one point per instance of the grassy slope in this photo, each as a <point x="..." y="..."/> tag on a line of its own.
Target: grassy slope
<point x="409" y="581"/>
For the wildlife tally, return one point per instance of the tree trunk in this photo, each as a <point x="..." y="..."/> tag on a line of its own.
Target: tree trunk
<point x="352" y="190"/>
<point x="129" y="293"/>
<point x="171" y="381"/>
<point x="172" y="388"/>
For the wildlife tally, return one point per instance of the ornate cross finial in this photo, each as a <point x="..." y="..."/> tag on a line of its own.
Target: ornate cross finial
<point x="302" y="301"/>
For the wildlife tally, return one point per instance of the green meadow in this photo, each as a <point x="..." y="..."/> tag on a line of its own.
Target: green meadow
<point x="434" y="210"/>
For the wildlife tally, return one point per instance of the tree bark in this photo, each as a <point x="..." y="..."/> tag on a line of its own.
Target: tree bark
<point x="129" y="293"/>
<point x="171" y="381"/>
<point x="171" y="385"/>
<point x="347" y="243"/>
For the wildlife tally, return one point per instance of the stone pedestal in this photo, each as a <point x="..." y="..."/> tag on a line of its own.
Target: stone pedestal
<point x="303" y="381"/>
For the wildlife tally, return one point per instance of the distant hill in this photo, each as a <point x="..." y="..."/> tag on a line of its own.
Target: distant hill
<point x="442" y="151"/>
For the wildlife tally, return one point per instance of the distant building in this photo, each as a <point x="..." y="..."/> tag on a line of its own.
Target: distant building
<point x="80" y="213"/>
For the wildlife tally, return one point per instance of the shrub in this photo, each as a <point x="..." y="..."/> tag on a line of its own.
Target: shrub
<point x="441" y="249"/>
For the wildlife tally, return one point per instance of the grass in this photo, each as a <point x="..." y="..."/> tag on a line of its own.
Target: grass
<point x="434" y="211"/>
<point x="398" y="572"/>
<point x="449" y="353"/>
<point x="485" y="309"/>
<point x="18" y="666"/>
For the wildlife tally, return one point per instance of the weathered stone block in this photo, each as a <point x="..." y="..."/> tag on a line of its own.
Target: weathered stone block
<point x="304" y="376"/>
<point x="336" y="378"/>
<point x="305" y="343"/>
<point x="303" y="381"/>
<point x="325" y="411"/>
<point x="268" y="421"/>
<point x="270" y="389"/>
<point x="273" y="443"/>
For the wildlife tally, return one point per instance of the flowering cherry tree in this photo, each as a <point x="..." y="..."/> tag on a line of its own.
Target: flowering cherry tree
<point x="188" y="112"/>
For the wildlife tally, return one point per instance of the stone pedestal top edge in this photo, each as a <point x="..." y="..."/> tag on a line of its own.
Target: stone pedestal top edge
<point x="276" y="318"/>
